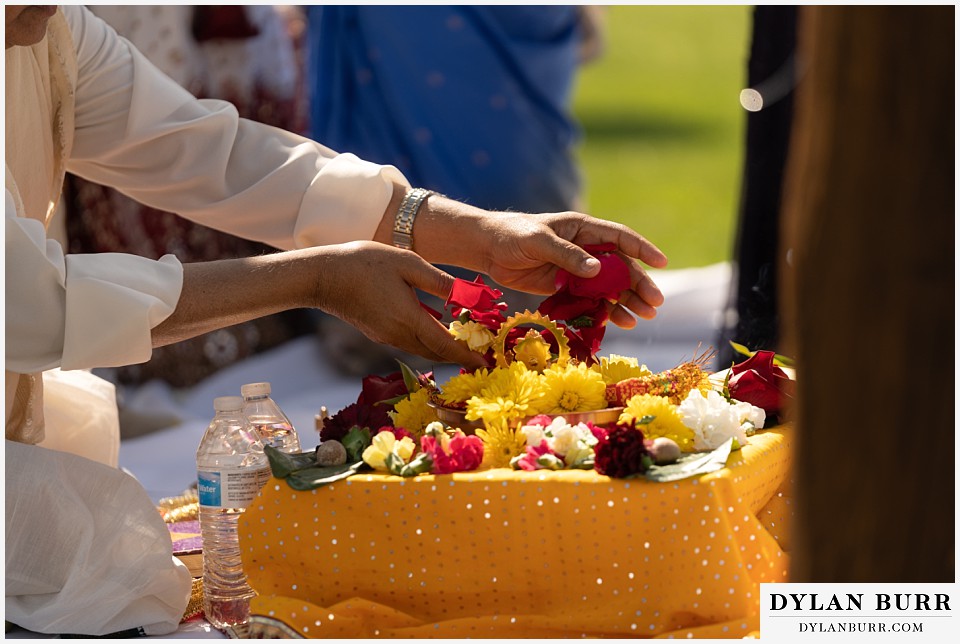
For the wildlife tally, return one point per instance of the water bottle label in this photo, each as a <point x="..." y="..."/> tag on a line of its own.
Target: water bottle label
<point x="230" y="488"/>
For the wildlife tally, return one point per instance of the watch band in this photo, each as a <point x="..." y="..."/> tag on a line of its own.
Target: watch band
<point x="406" y="214"/>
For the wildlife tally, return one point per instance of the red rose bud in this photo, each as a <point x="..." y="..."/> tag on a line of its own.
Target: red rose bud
<point x="761" y="383"/>
<point x="377" y="388"/>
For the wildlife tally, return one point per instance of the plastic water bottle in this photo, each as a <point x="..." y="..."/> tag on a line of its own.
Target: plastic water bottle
<point x="271" y="423"/>
<point x="231" y="469"/>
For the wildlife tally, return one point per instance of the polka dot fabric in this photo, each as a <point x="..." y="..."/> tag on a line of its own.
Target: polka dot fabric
<point x="502" y="553"/>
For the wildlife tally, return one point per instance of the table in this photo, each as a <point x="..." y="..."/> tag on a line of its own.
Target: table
<point x="502" y="553"/>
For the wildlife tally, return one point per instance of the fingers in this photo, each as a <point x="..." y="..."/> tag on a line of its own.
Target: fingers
<point x="428" y="337"/>
<point x="642" y="284"/>
<point x="442" y="346"/>
<point x="591" y="230"/>
<point x="633" y="244"/>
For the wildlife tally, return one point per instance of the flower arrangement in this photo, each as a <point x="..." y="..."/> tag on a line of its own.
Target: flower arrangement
<point x="547" y="401"/>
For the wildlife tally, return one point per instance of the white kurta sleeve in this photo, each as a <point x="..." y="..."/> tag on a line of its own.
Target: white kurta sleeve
<point x="80" y="311"/>
<point x="140" y="132"/>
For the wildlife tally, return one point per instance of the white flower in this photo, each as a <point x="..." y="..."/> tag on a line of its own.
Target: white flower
<point x="564" y="439"/>
<point x="750" y="414"/>
<point x="712" y="419"/>
<point x="534" y="434"/>
<point x="478" y="337"/>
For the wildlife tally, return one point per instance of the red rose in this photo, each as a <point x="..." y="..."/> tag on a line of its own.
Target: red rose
<point x="561" y="306"/>
<point x="377" y="388"/>
<point x="622" y="453"/>
<point x="761" y="383"/>
<point x="473" y="295"/>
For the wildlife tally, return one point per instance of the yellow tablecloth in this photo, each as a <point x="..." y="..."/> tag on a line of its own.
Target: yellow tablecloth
<point x="503" y="553"/>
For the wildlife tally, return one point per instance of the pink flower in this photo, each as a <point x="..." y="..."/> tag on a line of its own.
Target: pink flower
<point x="599" y="431"/>
<point x="462" y="453"/>
<point x="528" y="462"/>
<point x="761" y="383"/>
<point x="541" y="419"/>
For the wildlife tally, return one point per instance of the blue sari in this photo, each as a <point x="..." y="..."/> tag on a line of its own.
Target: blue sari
<point x="471" y="101"/>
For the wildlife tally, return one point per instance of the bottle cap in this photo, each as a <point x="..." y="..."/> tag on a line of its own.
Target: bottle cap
<point x="255" y="389"/>
<point x="228" y="403"/>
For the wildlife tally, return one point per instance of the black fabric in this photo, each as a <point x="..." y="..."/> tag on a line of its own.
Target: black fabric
<point x="756" y="253"/>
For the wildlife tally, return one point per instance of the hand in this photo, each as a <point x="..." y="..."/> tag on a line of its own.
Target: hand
<point x="526" y="250"/>
<point x="371" y="286"/>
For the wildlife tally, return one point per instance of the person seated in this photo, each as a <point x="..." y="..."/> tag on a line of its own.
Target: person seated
<point x="86" y="551"/>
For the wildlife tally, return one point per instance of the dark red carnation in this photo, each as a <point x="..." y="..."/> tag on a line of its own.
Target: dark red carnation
<point x="336" y="427"/>
<point x="622" y="453"/>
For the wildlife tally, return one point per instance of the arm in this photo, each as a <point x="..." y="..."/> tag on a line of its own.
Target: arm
<point x="524" y="251"/>
<point x="226" y="292"/>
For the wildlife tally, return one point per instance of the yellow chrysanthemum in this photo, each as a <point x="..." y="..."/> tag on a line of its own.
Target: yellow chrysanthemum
<point x="465" y="386"/>
<point x="413" y="413"/>
<point x="500" y="444"/>
<point x="516" y="382"/>
<point x="666" y="420"/>
<point x="617" y="368"/>
<point x="572" y="388"/>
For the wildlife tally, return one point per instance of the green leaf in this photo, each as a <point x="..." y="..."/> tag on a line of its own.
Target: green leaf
<point x="314" y="477"/>
<point x="283" y="464"/>
<point x="646" y="420"/>
<point x="778" y="360"/>
<point x="356" y="440"/>
<point x="390" y="402"/>
<point x="726" y="386"/>
<point x="409" y="378"/>
<point x="420" y="464"/>
<point x="691" y="465"/>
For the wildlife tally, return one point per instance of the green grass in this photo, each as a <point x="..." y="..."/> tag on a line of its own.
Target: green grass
<point x="663" y="127"/>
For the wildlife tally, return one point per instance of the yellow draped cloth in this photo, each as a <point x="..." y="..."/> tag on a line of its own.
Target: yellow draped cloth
<point x="502" y="553"/>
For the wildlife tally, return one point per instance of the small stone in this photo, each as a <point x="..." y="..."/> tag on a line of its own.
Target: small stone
<point x="664" y="450"/>
<point x="331" y="453"/>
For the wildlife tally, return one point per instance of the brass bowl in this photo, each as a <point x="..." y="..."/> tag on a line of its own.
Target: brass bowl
<point x="458" y="417"/>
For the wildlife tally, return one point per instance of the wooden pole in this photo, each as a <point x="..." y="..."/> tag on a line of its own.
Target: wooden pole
<point x="868" y="225"/>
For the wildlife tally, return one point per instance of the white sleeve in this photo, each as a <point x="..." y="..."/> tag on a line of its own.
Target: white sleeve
<point x="142" y="133"/>
<point x="80" y="311"/>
